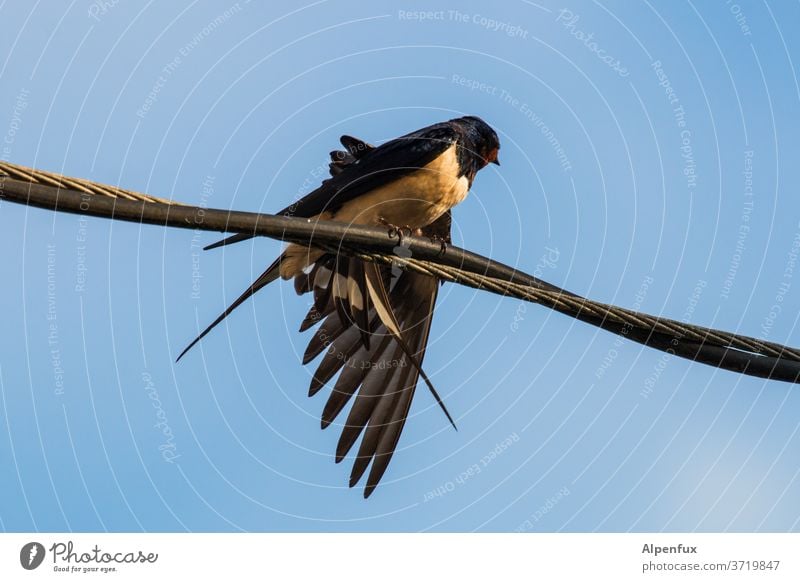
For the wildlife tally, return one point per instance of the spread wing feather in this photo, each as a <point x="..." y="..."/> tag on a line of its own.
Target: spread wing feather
<point x="380" y="378"/>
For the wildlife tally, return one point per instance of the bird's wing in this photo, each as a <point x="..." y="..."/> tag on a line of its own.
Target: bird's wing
<point x="382" y="375"/>
<point x="340" y="161"/>
<point x="367" y="169"/>
<point x="374" y="332"/>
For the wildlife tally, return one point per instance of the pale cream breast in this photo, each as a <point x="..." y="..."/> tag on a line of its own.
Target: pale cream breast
<point x="415" y="200"/>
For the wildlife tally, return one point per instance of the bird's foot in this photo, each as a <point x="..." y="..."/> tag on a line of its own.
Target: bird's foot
<point x="399" y="232"/>
<point x="442" y="243"/>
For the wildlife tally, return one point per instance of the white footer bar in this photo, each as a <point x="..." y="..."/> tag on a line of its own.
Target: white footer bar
<point x="389" y="557"/>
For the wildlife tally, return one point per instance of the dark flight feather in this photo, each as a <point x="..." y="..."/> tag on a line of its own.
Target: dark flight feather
<point x="380" y="381"/>
<point x="267" y="277"/>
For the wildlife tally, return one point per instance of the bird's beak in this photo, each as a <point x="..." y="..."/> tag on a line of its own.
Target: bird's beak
<point x="496" y="162"/>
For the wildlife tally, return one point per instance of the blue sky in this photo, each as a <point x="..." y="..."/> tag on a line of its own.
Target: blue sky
<point x="648" y="160"/>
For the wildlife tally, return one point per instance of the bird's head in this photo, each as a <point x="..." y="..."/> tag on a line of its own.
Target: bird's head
<point x="481" y="139"/>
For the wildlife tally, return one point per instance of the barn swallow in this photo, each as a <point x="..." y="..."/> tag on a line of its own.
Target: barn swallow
<point x="375" y="322"/>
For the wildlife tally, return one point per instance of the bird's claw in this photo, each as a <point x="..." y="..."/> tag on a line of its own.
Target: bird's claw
<point x="442" y="243"/>
<point x="398" y="232"/>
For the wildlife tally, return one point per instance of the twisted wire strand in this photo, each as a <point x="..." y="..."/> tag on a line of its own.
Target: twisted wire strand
<point x="714" y="347"/>
<point x="33" y="176"/>
<point x="572" y="304"/>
